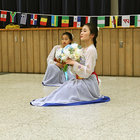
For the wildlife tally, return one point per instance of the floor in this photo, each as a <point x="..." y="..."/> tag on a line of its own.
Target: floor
<point x="118" y="119"/>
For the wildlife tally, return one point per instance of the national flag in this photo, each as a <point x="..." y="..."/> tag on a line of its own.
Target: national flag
<point x="101" y="21"/>
<point x="33" y="20"/>
<point x="77" y="21"/>
<point x="3" y="16"/>
<point x="119" y="21"/>
<point x="43" y="21"/>
<point x="54" y="21"/>
<point x="65" y="21"/>
<point x="12" y="17"/>
<point x="87" y="20"/>
<point x="23" y="18"/>
<point x="93" y="20"/>
<point x="113" y="21"/>
<point x="125" y="21"/>
<point x="137" y="21"/>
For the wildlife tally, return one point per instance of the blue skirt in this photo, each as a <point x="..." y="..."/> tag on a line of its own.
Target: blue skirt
<point x="54" y="76"/>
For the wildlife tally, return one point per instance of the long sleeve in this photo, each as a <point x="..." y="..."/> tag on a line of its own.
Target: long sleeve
<point x="50" y="59"/>
<point x="86" y="70"/>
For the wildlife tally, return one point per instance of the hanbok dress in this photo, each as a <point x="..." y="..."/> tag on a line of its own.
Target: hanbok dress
<point x="81" y="90"/>
<point x="54" y="76"/>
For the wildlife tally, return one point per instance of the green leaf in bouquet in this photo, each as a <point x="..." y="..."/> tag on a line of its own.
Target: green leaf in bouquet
<point x="80" y="47"/>
<point x="71" y="50"/>
<point x="78" y="60"/>
<point x="65" y="67"/>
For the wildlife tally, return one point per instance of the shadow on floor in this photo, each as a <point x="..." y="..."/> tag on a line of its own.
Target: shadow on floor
<point x="4" y="73"/>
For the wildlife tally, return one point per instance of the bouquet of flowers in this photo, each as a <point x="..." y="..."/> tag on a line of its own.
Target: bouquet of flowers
<point x="72" y="51"/>
<point x="60" y="56"/>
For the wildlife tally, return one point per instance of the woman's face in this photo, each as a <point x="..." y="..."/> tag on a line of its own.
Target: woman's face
<point x="85" y="34"/>
<point x="65" y="40"/>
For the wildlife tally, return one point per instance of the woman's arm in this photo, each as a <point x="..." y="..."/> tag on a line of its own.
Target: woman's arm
<point x="50" y="59"/>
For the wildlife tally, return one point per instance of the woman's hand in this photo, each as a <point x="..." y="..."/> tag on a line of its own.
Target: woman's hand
<point x="59" y="65"/>
<point x="70" y="62"/>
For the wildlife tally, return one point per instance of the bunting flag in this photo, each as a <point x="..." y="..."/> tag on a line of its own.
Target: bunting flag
<point x="113" y="21"/>
<point x="23" y="18"/>
<point x="54" y="21"/>
<point x="43" y="21"/>
<point x="137" y="21"/>
<point x="77" y="21"/>
<point x="33" y="20"/>
<point x="101" y="21"/>
<point x="65" y="21"/>
<point x="3" y="16"/>
<point x="12" y="17"/>
<point x="125" y="21"/>
<point x="87" y="20"/>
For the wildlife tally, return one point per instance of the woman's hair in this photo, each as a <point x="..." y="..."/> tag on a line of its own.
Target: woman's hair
<point x="70" y="36"/>
<point x="93" y="30"/>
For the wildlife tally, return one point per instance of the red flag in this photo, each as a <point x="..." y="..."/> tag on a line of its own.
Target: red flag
<point x="33" y="20"/>
<point x="3" y="16"/>
<point x="77" y="21"/>
<point x="87" y="20"/>
<point x="43" y="21"/>
<point x="65" y="21"/>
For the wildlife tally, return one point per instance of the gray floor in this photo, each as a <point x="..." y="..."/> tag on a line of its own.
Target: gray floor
<point x="118" y="119"/>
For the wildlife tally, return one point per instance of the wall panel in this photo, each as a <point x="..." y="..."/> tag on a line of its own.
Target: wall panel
<point x="17" y="51"/>
<point x="24" y="56"/>
<point x="43" y="51"/>
<point x="114" y="52"/>
<point x="30" y="52"/>
<point x="60" y="32"/>
<point x="49" y="41"/>
<point x="36" y="42"/>
<point x="0" y="53"/>
<point x="5" y="63"/>
<point x="122" y="46"/>
<point x="55" y="37"/>
<point x="99" y="63"/>
<point x="106" y="52"/>
<point x="76" y="34"/>
<point x="136" y="54"/>
<point x="129" y="53"/>
<point x="11" y="51"/>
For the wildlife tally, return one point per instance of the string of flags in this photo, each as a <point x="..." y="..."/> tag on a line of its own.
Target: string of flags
<point x="69" y="21"/>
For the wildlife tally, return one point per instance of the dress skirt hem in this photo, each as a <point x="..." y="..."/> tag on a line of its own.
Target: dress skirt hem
<point x="99" y="100"/>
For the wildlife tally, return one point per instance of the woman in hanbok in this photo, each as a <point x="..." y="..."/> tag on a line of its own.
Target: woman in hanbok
<point x="84" y="88"/>
<point x="54" y="75"/>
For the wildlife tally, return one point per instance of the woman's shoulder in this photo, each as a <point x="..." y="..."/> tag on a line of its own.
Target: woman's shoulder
<point x="91" y="48"/>
<point x="91" y="51"/>
<point x="57" y="46"/>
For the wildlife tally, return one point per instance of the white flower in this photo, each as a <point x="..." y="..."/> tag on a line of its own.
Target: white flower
<point x="66" y="52"/>
<point x="70" y="51"/>
<point x="72" y="56"/>
<point x="58" y="53"/>
<point x="74" y="45"/>
<point x="64" y="58"/>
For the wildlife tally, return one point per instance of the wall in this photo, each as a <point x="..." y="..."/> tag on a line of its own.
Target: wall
<point x="26" y="50"/>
